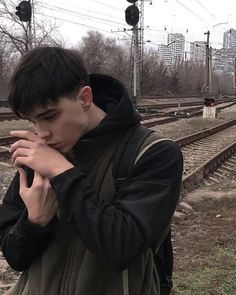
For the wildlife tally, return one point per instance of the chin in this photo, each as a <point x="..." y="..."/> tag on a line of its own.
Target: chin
<point x="66" y="149"/>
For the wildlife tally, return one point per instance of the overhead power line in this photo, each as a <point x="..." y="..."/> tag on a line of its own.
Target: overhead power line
<point x="224" y="23"/>
<point x="78" y="9"/>
<point x="203" y="7"/>
<point x="71" y="12"/>
<point x="104" y="4"/>
<point x="193" y="13"/>
<point x="76" y="23"/>
<point x="99" y="2"/>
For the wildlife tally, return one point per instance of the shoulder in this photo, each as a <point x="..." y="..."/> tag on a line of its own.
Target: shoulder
<point x="155" y="145"/>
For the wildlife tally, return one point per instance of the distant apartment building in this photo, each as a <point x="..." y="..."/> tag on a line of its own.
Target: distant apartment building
<point x="218" y="59"/>
<point x="173" y="52"/>
<point x="229" y="40"/>
<point x="176" y="42"/>
<point x="223" y="60"/>
<point x="165" y="53"/>
<point x="198" y="52"/>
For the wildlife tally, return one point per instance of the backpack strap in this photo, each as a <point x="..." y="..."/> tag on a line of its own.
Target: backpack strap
<point x="127" y="151"/>
<point x="134" y="144"/>
<point x="123" y="162"/>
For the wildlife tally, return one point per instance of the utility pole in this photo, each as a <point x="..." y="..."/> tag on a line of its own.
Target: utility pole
<point x="234" y="77"/>
<point x="209" y="109"/>
<point x="137" y="45"/>
<point x="210" y="70"/>
<point x="32" y="24"/>
<point x="132" y="19"/>
<point x="29" y="23"/>
<point x="207" y="64"/>
<point x="135" y="66"/>
<point x="140" y="45"/>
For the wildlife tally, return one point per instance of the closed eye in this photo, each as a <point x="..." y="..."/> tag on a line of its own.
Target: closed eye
<point x="50" y="117"/>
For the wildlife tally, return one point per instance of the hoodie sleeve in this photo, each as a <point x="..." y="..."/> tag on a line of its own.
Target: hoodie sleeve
<point x="142" y="211"/>
<point x="21" y="241"/>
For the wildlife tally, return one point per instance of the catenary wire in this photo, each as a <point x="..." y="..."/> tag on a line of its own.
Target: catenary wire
<point x="203" y="7"/>
<point x="76" y="23"/>
<point x="79" y="8"/>
<point x="189" y="10"/>
<point x="71" y="12"/>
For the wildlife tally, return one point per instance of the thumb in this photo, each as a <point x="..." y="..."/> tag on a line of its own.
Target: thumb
<point x="23" y="178"/>
<point x="38" y="178"/>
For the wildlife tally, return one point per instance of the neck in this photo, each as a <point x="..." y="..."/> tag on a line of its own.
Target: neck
<point x="96" y="115"/>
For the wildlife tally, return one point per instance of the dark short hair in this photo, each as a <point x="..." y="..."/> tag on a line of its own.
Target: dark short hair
<point x="43" y="75"/>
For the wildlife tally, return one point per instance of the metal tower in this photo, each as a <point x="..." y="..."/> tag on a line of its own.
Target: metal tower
<point x="137" y="51"/>
<point x="141" y="44"/>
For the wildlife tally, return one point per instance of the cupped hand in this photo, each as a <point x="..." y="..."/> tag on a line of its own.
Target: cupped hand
<point x="32" y="151"/>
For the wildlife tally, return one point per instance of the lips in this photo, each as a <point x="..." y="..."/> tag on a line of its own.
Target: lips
<point x="55" y="145"/>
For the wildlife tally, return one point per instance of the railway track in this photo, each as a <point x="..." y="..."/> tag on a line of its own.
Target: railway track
<point x="207" y="151"/>
<point x="8" y="116"/>
<point x="158" y="106"/>
<point x="204" y="152"/>
<point x="157" y="119"/>
<point x="226" y="170"/>
<point x="4" y="143"/>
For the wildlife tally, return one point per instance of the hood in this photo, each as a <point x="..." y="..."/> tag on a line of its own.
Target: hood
<point x="112" y="97"/>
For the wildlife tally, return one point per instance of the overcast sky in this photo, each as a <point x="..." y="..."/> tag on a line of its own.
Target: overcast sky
<point x="189" y="17"/>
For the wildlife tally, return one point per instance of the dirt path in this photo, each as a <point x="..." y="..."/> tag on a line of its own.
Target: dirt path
<point x="204" y="240"/>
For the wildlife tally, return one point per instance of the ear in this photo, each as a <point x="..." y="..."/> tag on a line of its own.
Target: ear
<point x="85" y="96"/>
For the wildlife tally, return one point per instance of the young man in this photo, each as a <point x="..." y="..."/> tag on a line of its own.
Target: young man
<point x="62" y="223"/>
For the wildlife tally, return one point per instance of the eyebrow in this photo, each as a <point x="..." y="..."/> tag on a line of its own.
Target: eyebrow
<point x="45" y="113"/>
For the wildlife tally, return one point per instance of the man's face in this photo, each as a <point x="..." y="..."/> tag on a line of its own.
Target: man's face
<point x="62" y="124"/>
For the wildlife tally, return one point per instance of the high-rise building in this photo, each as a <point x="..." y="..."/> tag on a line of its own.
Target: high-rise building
<point x="219" y="59"/>
<point x="198" y="52"/>
<point x="223" y="60"/>
<point x="165" y="54"/>
<point x="176" y="43"/>
<point x="229" y="41"/>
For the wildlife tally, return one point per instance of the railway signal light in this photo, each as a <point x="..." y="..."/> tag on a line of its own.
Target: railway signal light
<point x="132" y="15"/>
<point x="24" y="11"/>
<point x="209" y="102"/>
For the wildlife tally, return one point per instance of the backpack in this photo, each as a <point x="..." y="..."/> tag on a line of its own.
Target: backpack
<point x="126" y="155"/>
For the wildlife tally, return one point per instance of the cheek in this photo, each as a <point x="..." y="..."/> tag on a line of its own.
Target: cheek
<point x="74" y="127"/>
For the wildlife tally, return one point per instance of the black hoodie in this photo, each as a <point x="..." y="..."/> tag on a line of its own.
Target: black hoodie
<point x="99" y="232"/>
<point x="111" y="96"/>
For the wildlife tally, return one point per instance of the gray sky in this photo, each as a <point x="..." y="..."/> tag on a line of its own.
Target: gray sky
<point x="189" y="17"/>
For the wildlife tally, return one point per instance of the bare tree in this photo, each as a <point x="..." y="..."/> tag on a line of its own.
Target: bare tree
<point x="222" y="84"/>
<point x="15" y="33"/>
<point x="156" y="77"/>
<point x="102" y="55"/>
<point x="15" y="39"/>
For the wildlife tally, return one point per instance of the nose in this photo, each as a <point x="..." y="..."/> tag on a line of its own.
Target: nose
<point x="43" y="133"/>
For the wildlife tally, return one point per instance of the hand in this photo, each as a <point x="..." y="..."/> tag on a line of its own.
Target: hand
<point x="34" y="152"/>
<point x="39" y="199"/>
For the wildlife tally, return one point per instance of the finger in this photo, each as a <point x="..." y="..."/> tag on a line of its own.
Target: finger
<point x="20" y="143"/>
<point x="25" y="134"/>
<point x="21" y="161"/>
<point x="23" y="179"/>
<point x="40" y="180"/>
<point x="20" y="152"/>
<point x="38" y="177"/>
